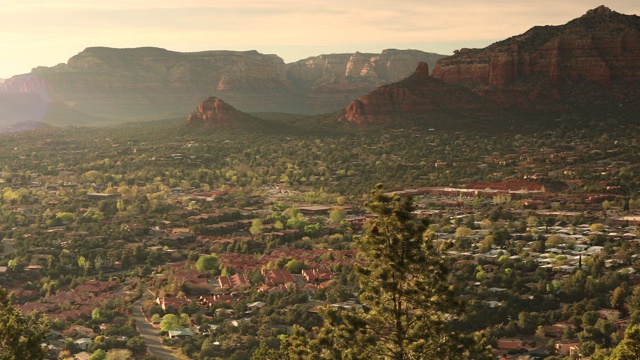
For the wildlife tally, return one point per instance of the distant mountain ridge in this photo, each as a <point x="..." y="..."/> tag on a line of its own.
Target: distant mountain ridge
<point x="591" y="66"/>
<point x="588" y="66"/>
<point x="155" y="83"/>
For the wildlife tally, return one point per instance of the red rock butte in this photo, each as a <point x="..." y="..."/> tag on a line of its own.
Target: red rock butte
<point x="214" y="111"/>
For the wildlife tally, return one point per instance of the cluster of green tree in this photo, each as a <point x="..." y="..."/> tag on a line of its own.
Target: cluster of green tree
<point x="343" y="163"/>
<point x="47" y="175"/>
<point x="21" y="336"/>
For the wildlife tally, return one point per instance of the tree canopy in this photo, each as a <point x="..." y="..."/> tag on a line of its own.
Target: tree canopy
<point x="629" y="348"/>
<point x="20" y="335"/>
<point x="169" y="322"/>
<point x="208" y="263"/>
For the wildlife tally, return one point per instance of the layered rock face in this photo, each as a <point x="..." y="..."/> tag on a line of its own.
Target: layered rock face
<point x="25" y="84"/>
<point x="544" y="67"/>
<point x="151" y="82"/>
<point x="214" y="112"/>
<point x="155" y="83"/>
<point x="330" y="82"/>
<point x="589" y="65"/>
<point x="419" y="97"/>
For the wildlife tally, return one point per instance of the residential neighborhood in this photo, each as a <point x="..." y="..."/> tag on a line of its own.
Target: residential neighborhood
<point x="205" y="256"/>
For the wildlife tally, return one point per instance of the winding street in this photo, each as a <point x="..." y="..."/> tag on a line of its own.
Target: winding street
<point x="150" y="335"/>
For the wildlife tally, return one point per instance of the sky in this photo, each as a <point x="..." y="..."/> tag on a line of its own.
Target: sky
<point x="48" y="32"/>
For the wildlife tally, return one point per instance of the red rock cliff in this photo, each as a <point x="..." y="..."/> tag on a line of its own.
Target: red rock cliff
<point x="329" y="82"/>
<point x="418" y="96"/>
<point x="215" y="112"/>
<point x="536" y="68"/>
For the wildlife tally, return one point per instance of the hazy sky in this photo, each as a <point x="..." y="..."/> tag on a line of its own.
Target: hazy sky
<point x="48" y="32"/>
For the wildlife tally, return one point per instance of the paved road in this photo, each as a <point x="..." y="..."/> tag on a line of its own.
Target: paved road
<point x="150" y="335"/>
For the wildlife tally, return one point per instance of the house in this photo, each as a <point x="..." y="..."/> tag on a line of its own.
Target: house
<point x="33" y="268"/>
<point x="273" y="289"/>
<point x="595" y="250"/>
<point x="359" y="221"/>
<point x="176" y="231"/>
<point x="82" y="356"/>
<point x="309" y="289"/>
<point x="235" y="281"/>
<point x="256" y="306"/>
<point x="180" y="333"/>
<point x="497" y="289"/>
<point x="83" y="343"/>
<point x="317" y="275"/>
<point x="556" y="329"/>
<point x="565" y="268"/>
<point x="347" y="305"/>
<point x="223" y="313"/>
<point x="171" y="302"/>
<point x="277" y="276"/>
<point x="229" y="299"/>
<point x="609" y="314"/>
<point x="568" y="348"/>
<point x="210" y="300"/>
<point x="624" y="220"/>
<point x="239" y="322"/>
<point x="510" y="344"/>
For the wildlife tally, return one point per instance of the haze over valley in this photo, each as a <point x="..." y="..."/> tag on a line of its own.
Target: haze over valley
<point x="392" y="202"/>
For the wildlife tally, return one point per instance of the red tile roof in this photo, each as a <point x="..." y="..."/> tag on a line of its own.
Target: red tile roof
<point x="277" y="276"/>
<point x="233" y="281"/>
<point x="317" y="275"/>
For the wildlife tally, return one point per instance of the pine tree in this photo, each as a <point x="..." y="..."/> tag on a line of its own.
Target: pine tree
<point x="408" y="301"/>
<point x="629" y="348"/>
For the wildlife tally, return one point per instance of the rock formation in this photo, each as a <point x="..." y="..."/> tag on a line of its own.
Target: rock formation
<point x="214" y="112"/>
<point x="155" y="83"/>
<point x="590" y="65"/>
<point x="545" y="67"/>
<point x="330" y="82"/>
<point x="417" y="97"/>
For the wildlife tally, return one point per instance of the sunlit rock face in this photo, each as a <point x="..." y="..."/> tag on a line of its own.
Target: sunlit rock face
<point x="545" y="67"/>
<point x="417" y="96"/>
<point x="214" y="112"/>
<point x="590" y="65"/>
<point x="330" y="82"/>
